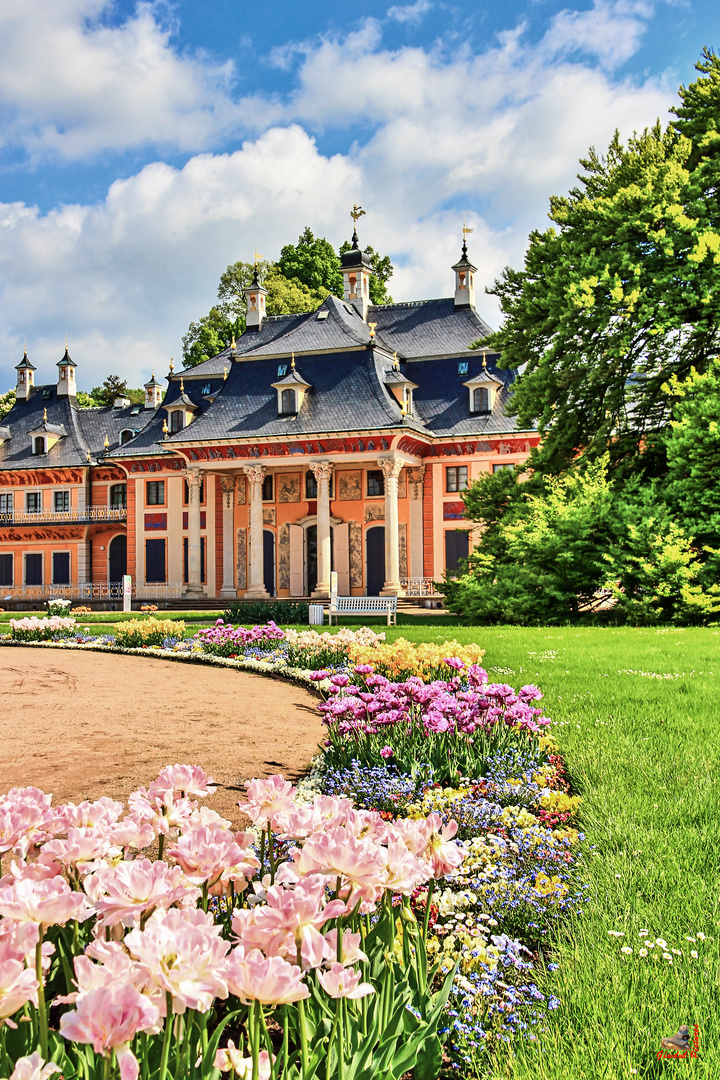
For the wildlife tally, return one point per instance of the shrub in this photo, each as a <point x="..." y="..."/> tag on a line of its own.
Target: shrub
<point x="138" y="633"/>
<point x="283" y="612"/>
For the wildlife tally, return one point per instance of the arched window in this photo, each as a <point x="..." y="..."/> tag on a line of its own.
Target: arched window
<point x="481" y="399"/>
<point x="310" y="486"/>
<point x="287" y="401"/>
<point x="176" y="420"/>
<point x="126" y="436"/>
<point x="118" y="496"/>
<point x="39" y="444"/>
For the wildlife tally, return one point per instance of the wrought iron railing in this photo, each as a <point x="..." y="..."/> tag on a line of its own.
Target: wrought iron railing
<point x="419" y="586"/>
<point x="63" y="517"/>
<point x="96" y="590"/>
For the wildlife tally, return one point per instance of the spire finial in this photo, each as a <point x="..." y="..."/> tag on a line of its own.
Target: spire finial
<point x="224" y="374"/>
<point x="465" y="233"/>
<point x="484" y="360"/>
<point x="165" y="429"/>
<point x="396" y="362"/>
<point x="88" y="457"/>
<point x="152" y="376"/>
<point x="372" y="327"/>
<point x="182" y="385"/>
<point x="44" y="416"/>
<point x="292" y="361"/>
<point x="106" y="444"/>
<point x="355" y="213"/>
<point x="232" y="343"/>
<point x="172" y="366"/>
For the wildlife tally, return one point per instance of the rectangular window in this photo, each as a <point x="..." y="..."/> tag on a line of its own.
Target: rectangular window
<point x="155" y="561"/>
<point x="33" y="569"/>
<point x="62" y="501"/>
<point x="267" y="489"/>
<point x="456" y="477"/>
<point x="118" y="496"/>
<point x="7" y="503"/>
<point x="33" y="501"/>
<point x="457" y="547"/>
<point x="6" y="570"/>
<point x="375" y="482"/>
<point x="155" y="493"/>
<point x="61" y="568"/>
<point x="497" y="468"/>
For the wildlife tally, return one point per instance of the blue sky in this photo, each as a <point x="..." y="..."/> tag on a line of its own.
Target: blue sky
<point x="145" y="146"/>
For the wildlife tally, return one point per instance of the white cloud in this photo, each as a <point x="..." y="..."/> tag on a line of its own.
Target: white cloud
<point x="71" y="85"/>
<point x="410" y="12"/>
<point x="496" y="133"/>
<point x="611" y="30"/>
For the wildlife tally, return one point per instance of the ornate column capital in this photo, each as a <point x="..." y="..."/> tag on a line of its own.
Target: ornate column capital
<point x="193" y="477"/>
<point x="255" y="473"/>
<point x="391" y="467"/>
<point x="322" y="470"/>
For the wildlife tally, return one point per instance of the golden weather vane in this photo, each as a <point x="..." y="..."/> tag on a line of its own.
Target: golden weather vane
<point x="356" y="212"/>
<point x="466" y="231"/>
<point x="257" y="256"/>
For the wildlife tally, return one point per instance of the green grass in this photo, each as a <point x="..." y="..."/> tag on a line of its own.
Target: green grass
<point x="644" y="752"/>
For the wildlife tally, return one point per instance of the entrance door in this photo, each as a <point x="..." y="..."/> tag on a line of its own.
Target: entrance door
<point x="269" y="561"/>
<point x="375" y="550"/>
<point x="457" y="548"/>
<point x="311" y="557"/>
<point x="117" y="558"/>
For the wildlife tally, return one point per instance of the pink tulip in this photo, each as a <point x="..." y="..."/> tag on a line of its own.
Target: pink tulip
<point x="387" y="752"/>
<point x="17" y="982"/>
<point x="184" y="955"/>
<point x="83" y="848"/>
<point x="25" y="819"/>
<point x="351" y="951"/>
<point x="211" y="855"/>
<point x="360" y="863"/>
<point x="405" y="871"/>
<point x="268" y="797"/>
<point x="109" y="1018"/>
<point x="231" y="1060"/>
<point x="288" y="923"/>
<point x="116" y="967"/>
<point x="131" y="833"/>
<point x="271" y="981"/>
<point x="33" y="1068"/>
<point x="49" y="903"/>
<point x="86" y="815"/>
<point x="123" y="893"/>
<point x="299" y="822"/>
<point x="160" y="809"/>
<point x="188" y="781"/>
<point x="343" y="982"/>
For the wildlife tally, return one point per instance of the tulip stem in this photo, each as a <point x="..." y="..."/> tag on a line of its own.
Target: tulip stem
<point x="341" y="1040"/>
<point x="286" y="1039"/>
<point x="41" y="1010"/>
<point x="270" y="854"/>
<point x="161" y="845"/>
<point x="304" y="1057"/>
<point x="205" y="896"/>
<point x="166" y="1038"/>
<point x="255" y="1048"/>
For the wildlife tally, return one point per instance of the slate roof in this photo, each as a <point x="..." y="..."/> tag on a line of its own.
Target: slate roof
<point x="81" y="430"/>
<point x="427" y="328"/>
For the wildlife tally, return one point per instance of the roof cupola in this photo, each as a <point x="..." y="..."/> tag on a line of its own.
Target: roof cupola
<point x="153" y="393"/>
<point x="356" y="271"/>
<point x="66" y="376"/>
<point x="464" y="278"/>
<point x="255" y="295"/>
<point x="25" y="377"/>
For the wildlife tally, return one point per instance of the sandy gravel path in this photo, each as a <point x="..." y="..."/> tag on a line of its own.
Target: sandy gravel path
<point x="81" y="724"/>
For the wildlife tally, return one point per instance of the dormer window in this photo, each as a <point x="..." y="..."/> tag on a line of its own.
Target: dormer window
<point x="291" y="390"/>
<point x="177" y="418"/>
<point x="287" y="402"/>
<point x="126" y="436"/>
<point x="282" y="371"/>
<point x="206" y="389"/>
<point x="39" y="444"/>
<point x="463" y="367"/>
<point x="481" y="399"/>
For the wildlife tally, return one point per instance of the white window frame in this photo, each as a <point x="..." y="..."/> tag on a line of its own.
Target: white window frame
<point x="36" y="493"/>
<point x="62" y="491"/>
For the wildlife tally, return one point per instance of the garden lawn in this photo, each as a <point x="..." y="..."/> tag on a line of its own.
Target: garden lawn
<point x="637" y="717"/>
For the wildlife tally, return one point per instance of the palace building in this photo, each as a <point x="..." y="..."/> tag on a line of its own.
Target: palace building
<point x="338" y="439"/>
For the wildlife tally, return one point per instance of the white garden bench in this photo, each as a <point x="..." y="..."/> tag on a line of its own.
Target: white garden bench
<point x="364" y="605"/>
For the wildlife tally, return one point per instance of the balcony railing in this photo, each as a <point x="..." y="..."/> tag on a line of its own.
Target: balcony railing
<point x="97" y="590"/>
<point x="63" y="517"/>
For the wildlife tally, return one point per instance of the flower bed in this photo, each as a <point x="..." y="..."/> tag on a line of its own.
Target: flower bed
<point x="48" y="628"/>
<point x="466" y="764"/>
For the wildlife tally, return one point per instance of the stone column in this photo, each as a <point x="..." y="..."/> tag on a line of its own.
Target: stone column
<point x="391" y="470"/>
<point x="228" y="589"/>
<point x="323" y="470"/>
<point x="256" y="588"/>
<point x="194" y="584"/>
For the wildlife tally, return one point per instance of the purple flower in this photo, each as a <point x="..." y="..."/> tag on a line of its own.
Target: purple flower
<point x="386" y="752"/>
